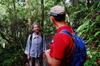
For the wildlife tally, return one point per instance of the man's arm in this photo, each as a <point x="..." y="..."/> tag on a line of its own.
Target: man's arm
<point x="50" y="60"/>
<point x="27" y="47"/>
<point x="55" y="53"/>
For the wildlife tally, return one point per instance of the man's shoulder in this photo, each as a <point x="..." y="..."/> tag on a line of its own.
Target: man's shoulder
<point x="61" y="35"/>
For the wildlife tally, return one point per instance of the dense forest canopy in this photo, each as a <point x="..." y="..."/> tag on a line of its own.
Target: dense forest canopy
<point x="16" y="17"/>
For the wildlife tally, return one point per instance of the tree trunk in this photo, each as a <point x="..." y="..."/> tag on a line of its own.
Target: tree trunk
<point x="56" y="2"/>
<point x="42" y="14"/>
<point x="65" y="7"/>
<point x="14" y="19"/>
<point x="74" y="2"/>
<point x="28" y="13"/>
<point x="89" y="2"/>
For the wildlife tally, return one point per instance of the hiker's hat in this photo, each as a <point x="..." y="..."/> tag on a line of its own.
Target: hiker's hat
<point x="56" y="10"/>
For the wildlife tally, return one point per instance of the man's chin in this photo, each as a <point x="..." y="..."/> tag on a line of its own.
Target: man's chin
<point x="37" y="32"/>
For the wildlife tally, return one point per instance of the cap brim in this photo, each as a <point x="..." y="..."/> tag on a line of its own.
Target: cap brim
<point x="52" y="14"/>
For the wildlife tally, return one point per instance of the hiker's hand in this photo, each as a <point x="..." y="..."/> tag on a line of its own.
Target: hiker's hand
<point x="28" y="57"/>
<point x="47" y="52"/>
<point x="44" y="57"/>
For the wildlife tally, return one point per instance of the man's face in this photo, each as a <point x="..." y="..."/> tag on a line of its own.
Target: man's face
<point x="52" y="20"/>
<point x="35" y="28"/>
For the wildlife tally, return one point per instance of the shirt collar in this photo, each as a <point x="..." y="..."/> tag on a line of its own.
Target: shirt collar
<point x="35" y="35"/>
<point x="61" y="28"/>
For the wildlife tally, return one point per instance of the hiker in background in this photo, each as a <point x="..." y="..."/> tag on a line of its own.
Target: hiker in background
<point x="34" y="46"/>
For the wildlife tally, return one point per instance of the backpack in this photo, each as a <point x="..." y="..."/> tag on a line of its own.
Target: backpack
<point x="79" y="51"/>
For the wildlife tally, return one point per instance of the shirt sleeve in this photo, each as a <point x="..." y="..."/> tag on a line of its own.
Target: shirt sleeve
<point x="58" y="46"/>
<point x="27" y="46"/>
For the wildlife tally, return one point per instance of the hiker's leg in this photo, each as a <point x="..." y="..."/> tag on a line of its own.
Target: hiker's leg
<point x="40" y="60"/>
<point x="25" y="60"/>
<point x="33" y="61"/>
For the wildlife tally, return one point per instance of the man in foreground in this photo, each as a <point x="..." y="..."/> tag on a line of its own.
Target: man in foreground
<point x="61" y="48"/>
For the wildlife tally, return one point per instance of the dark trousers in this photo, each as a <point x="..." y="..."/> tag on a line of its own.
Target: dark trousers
<point x="38" y="60"/>
<point x="33" y="60"/>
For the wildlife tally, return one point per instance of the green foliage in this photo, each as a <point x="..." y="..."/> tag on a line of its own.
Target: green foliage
<point x="92" y="61"/>
<point x="87" y="20"/>
<point x="14" y="27"/>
